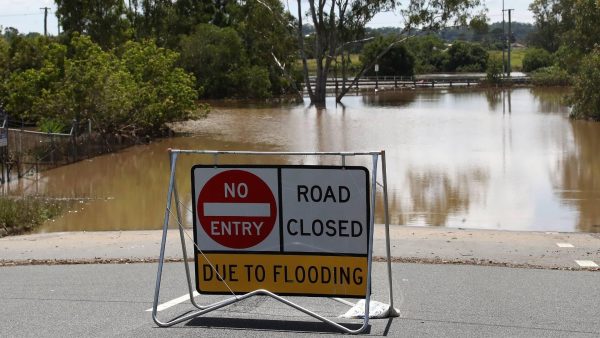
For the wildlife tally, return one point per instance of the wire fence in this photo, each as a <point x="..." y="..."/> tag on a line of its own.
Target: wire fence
<point x="26" y="151"/>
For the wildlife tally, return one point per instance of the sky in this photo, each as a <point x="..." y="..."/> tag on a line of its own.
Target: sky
<point x="27" y="15"/>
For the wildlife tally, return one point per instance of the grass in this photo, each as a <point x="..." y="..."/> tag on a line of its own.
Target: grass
<point x="312" y="63"/>
<point x="516" y="57"/>
<point x="21" y="215"/>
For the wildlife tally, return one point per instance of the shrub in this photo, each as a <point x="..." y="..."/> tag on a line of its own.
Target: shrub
<point x="551" y="76"/>
<point x="22" y="215"/>
<point x="494" y="70"/>
<point x="586" y="89"/>
<point x="536" y="58"/>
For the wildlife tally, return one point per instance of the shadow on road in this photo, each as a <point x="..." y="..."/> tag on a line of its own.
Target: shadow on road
<point x="269" y="325"/>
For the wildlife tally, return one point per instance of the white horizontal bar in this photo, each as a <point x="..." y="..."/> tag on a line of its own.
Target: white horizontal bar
<point x="587" y="264"/>
<point x="565" y="245"/>
<point x="237" y="209"/>
<point x="271" y="153"/>
<point x="173" y="302"/>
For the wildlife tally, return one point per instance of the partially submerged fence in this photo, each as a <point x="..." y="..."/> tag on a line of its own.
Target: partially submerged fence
<point x="25" y="151"/>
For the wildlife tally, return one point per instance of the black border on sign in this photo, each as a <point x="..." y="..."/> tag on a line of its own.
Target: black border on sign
<point x="279" y="210"/>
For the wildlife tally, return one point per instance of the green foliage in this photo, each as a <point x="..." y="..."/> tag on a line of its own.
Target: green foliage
<point x="134" y="91"/>
<point x="103" y="20"/>
<point x="466" y="57"/>
<point x="536" y="58"/>
<point x="586" y="89"/>
<point x="18" y="216"/>
<point x="49" y="125"/>
<point x="568" y="59"/>
<point x="214" y="55"/>
<point x="494" y="70"/>
<point x="568" y="27"/>
<point x="397" y="61"/>
<point x="550" y="76"/>
<point x="218" y="59"/>
<point x="429" y="53"/>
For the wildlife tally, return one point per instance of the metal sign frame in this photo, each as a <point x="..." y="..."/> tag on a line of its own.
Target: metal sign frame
<point x="172" y="196"/>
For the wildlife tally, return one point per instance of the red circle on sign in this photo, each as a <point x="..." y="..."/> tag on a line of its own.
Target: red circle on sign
<point x="236" y="209"/>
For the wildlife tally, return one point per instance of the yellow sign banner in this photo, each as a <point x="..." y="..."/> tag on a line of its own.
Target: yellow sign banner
<point x="333" y="276"/>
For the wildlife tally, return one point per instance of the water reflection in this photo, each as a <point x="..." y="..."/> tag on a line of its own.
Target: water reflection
<point x="396" y="98"/>
<point x="454" y="159"/>
<point x="577" y="179"/>
<point x="439" y="198"/>
<point x="551" y="100"/>
<point x="499" y="97"/>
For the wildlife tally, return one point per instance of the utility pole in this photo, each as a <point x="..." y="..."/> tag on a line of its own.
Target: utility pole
<point x="503" y="42"/>
<point x="508" y="38"/>
<point x="45" y="20"/>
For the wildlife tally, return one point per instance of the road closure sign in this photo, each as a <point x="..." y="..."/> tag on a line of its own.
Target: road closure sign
<point x="293" y="230"/>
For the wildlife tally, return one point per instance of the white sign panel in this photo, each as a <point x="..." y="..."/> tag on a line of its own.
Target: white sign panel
<point x="324" y="210"/>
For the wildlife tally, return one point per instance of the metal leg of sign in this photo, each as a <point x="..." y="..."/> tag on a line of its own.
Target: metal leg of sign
<point x="163" y="243"/>
<point x="172" y="195"/>
<point x="184" y="249"/>
<point x="392" y="311"/>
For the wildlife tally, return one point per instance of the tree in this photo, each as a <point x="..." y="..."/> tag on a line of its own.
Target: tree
<point x="428" y="51"/>
<point x="340" y="23"/>
<point x="464" y="56"/>
<point x="214" y="55"/>
<point x="267" y="33"/>
<point x="586" y="90"/>
<point x="131" y="92"/>
<point x="105" y="21"/>
<point x="550" y="23"/>
<point x="397" y="61"/>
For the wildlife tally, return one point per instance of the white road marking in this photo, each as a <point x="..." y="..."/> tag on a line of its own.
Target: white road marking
<point x="343" y="301"/>
<point x="565" y="245"/>
<point x="174" y="302"/>
<point x="587" y="264"/>
<point x="237" y="209"/>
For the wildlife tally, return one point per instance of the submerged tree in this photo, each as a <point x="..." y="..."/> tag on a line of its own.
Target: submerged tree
<point x="340" y="23"/>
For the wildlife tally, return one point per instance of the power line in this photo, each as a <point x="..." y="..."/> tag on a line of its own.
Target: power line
<point x="23" y="14"/>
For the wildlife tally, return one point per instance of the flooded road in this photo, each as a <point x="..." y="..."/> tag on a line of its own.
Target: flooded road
<point x="467" y="158"/>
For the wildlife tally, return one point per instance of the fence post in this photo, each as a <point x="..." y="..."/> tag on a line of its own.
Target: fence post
<point x="74" y="132"/>
<point x="52" y="159"/>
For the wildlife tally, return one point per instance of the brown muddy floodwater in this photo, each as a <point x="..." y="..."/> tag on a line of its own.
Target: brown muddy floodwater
<point x="468" y="158"/>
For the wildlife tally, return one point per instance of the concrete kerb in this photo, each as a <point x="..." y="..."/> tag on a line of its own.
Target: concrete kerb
<point x="430" y="245"/>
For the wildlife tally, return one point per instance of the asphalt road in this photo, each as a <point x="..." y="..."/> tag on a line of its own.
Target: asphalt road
<point x="434" y="301"/>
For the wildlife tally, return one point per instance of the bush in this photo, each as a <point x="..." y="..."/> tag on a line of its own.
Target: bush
<point x="551" y="76"/>
<point x="494" y="70"/>
<point x="19" y="216"/>
<point x="536" y="58"/>
<point x="586" y="90"/>
<point x="134" y="90"/>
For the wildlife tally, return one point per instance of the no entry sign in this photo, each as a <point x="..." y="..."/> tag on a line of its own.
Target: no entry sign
<point x="236" y="209"/>
<point x="301" y="230"/>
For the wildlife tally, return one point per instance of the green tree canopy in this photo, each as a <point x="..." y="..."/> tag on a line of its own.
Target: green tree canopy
<point x="105" y="21"/>
<point x="397" y="61"/>
<point x="586" y="90"/>
<point x="464" y="56"/>
<point x="135" y="91"/>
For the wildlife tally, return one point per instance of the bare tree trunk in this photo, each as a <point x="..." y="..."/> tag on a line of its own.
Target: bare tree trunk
<point x="303" y="54"/>
<point x="364" y="68"/>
